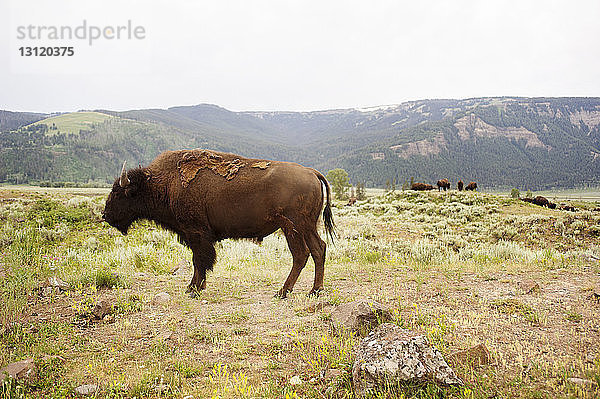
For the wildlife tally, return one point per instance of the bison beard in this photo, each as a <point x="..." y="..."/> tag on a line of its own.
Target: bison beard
<point x="206" y="196"/>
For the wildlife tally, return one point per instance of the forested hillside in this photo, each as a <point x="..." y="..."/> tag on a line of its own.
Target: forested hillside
<point x="531" y="143"/>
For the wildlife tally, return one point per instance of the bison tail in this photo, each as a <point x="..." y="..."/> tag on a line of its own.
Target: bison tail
<point x="327" y="214"/>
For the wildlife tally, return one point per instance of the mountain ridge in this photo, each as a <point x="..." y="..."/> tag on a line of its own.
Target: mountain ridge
<point x="499" y="141"/>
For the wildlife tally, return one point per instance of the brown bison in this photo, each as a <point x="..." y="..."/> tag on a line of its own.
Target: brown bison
<point x="421" y="187"/>
<point x="207" y="196"/>
<point x="541" y="201"/>
<point x="444" y="183"/>
<point x="460" y="185"/>
<point x="471" y="186"/>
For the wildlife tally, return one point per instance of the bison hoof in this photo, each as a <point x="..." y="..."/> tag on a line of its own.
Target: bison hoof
<point x="193" y="291"/>
<point x="282" y="293"/>
<point x="315" y="292"/>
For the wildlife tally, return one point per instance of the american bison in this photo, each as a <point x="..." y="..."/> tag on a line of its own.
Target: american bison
<point x="444" y="183"/>
<point x="207" y="196"/>
<point x="421" y="187"/>
<point x="460" y="185"/>
<point x="471" y="186"/>
<point x="541" y="201"/>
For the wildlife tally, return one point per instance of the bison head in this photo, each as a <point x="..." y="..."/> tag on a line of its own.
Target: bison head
<point x="124" y="203"/>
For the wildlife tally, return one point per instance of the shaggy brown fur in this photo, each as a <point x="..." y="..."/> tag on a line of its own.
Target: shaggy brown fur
<point x="421" y="187"/>
<point x="460" y="185"/>
<point x="206" y="196"/>
<point x="444" y="183"/>
<point x="471" y="186"/>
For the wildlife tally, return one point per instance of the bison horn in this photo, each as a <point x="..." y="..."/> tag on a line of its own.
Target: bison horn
<point x="124" y="180"/>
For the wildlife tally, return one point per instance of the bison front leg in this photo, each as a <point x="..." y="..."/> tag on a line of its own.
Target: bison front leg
<point x="204" y="256"/>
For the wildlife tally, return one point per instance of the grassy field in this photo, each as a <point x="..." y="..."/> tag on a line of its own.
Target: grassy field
<point x="454" y="266"/>
<point x="73" y="122"/>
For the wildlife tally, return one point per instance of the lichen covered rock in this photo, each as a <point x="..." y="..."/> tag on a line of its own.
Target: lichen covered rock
<point x="390" y="355"/>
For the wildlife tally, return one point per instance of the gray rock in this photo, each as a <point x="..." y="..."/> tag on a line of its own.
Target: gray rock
<point x="359" y="316"/>
<point x="392" y="355"/>
<point x="162" y="298"/>
<point x="22" y="370"/>
<point x="88" y="389"/>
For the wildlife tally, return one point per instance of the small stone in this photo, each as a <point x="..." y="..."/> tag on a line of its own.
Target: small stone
<point x="316" y="307"/>
<point x="204" y="302"/>
<point x="162" y="298"/>
<point x="333" y="374"/>
<point x="530" y="287"/>
<point x="189" y="397"/>
<point x="587" y="384"/>
<point x="24" y="369"/>
<point x="58" y="283"/>
<point x="359" y="316"/>
<point x="141" y="275"/>
<point x="476" y="356"/>
<point x="85" y="390"/>
<point x="165" y="335"/>
<point x="102" y="308"/>
<point x="295" y="380"/>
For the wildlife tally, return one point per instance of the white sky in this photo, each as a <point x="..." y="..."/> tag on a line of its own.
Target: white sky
<point x="301" y="55"/>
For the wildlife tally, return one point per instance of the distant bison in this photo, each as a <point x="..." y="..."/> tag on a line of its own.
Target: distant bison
<point x="444" y="183"/>
<point x="351" y="201"/>
<point x="541" y="201"/>
<point x="471" y="186"/>
<point x="568" y="208"/>
<point x="206" y="196"/>
<point x="421" y="187"/>
<point x="460" y="185"/>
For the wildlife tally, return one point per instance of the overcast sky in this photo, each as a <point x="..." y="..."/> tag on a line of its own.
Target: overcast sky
<point x="299" y="55"/>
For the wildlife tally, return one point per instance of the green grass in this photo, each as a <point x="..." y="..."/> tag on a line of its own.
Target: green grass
<point x="73" y="122"/>
<point x="447" y="266"/>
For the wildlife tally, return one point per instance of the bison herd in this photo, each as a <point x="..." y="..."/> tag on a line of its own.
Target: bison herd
<point x="445" y="185"/>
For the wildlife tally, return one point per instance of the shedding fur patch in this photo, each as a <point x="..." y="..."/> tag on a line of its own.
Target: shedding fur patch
<point x="261" y="164"/>
<point x="193" y="161"/>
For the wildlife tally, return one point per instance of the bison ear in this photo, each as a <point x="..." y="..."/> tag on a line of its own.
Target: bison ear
<point x="147" y="174"/>
<point x="124" y="180"/>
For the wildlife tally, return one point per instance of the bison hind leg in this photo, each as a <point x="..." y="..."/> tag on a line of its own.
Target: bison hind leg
<point x="317" y="249"/>
<point x="300" y="253"/>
